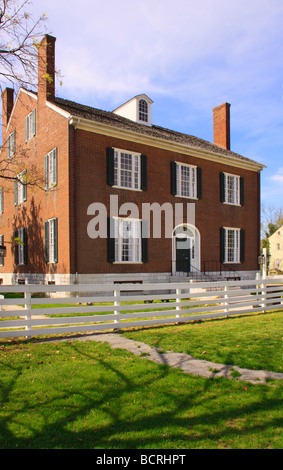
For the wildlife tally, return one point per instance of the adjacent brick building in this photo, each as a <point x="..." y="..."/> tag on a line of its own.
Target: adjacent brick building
<point x="87" y="156"/>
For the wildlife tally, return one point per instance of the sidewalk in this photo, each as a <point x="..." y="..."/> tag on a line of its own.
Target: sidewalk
<point x="181" y="361"/>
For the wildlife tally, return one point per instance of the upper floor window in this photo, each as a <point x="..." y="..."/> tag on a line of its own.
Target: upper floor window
<point x="30" y="125"/>
<point x="143" y="111"/>
<point x="51" y="169"/>
<point x="11" y="144"/>
<point x="126" y="169"/>
<point x="1" y="243"/>
<point x="231" y="189"/>
<point x="186" y="180"/>
<point x="278" y="246"/>
<point x="1" y="201"/>
<point x="20" y="188"/>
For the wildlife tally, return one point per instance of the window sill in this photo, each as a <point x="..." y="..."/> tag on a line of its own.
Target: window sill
<point x="231" y="204"/>
<point x="127" y="262"/>
<point x="187" y="197"/>
<point x="129" y="189"/>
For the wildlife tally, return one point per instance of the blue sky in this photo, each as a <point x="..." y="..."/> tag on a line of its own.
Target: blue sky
<point x="188" y="57"/>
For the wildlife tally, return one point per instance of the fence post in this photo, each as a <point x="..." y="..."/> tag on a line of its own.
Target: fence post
<point x="263" y="296"/>
<point x="117" y="312"/>
<point x="178" y="301"/>
<point x="28" y="313"/>
<point x="226" y="296"/>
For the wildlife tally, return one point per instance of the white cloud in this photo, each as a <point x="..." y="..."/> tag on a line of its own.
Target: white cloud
<point x="278" y="177"/>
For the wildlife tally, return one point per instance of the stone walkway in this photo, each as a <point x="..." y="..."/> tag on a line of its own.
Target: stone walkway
<point x="181" y="361"/>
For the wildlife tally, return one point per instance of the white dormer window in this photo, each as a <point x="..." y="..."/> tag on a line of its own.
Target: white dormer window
<point x="143" y="111"/>
<point x="138" y="109"/>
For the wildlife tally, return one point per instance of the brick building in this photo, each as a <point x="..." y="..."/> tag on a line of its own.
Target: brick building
<point x="90" y="157"/>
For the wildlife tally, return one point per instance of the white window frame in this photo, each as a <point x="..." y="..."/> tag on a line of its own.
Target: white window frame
<point x="232" y="247"/>
<point x="51" y="244"/>
<point x="1" y="243"/>
<point x="11" y="143"/>
<point x="51" y="175"/>
<point x="232" y="189"/>
<point x="186" y="184"/>
<point x="128" y="250"/>
<point x="143" y="110"/>
<point x="20" y="247"/>
<point x="134" y="174"/>
<point x="30" y="125"/>
<point x="21" y="188"/>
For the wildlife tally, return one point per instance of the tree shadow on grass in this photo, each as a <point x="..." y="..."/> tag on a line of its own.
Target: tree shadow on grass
<point x="112" y="399"/>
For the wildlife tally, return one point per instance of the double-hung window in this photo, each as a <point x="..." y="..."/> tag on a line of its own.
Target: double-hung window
<point x="21" y="246"/>
<point x="1" y="243"/>
<point x="30" y="125"/>
<point x="11" y="144"/>
<point x="51" y="237"/>
<point x="20" y="188"/>
<point x="186" y="180"/>
<point x="1" y="201"/>
<point x="232" y="245"/>
<point x="127" y="241"/>
<point x="51" y="169"/>
<point x="127" y="169"/>
<point x="231" y="189"/>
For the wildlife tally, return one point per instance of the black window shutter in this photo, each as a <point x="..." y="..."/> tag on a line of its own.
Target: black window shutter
<point x="46" y="241"/>
<point x="242" y="191"/>
<point x="110" y="240"/>
<point x="144" y="229"/>
<point x="55" y="231"/>
<point x="16" y="234"/>
<point x="25" y="248"/>
<point x="242" y="245"/>
<point x="110" y="166"/>
<point x="144" y="172"/>
<point x="199" y="182"/>
<point x="173" y="178"/>
<point x="222" y="245"/>
<point x="222" y="187"/>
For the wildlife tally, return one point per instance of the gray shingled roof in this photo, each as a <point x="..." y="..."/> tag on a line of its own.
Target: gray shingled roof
<point x="106" y="117"/>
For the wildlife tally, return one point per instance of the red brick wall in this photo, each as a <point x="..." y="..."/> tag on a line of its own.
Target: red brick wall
<point x="211" y="214"/>
<point x="51" y="131"/>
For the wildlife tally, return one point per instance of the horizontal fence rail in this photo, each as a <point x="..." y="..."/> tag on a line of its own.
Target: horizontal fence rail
<point x="33" y="310"/>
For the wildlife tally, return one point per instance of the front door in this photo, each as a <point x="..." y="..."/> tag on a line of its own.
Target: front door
<point x="183" y="255"/>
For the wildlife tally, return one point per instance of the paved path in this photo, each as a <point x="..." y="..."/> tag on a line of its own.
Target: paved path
<point x="181" y="361"/>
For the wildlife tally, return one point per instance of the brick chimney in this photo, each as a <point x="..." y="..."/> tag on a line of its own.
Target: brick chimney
<point x="221" y="125"/>
<point x="46" y="69"/>
<point x="7" y="105"/>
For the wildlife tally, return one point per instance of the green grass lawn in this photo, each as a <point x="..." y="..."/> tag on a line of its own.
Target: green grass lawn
<point x="86" y="395"/>
<point x="252" y="341"/>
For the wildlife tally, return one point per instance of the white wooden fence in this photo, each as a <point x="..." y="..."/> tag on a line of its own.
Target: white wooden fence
<point x="53" y="309"/>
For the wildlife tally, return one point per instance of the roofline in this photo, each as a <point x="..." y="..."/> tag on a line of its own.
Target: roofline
<point x="27" y="92"/>
<point x="135" y="97"/>
<point x="132" y="136"/>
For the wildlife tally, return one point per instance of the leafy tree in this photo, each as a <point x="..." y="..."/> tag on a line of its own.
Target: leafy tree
<point x="19" y="37"/>
<point x="272" y="220"/>
<point x="20" y="34"/>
